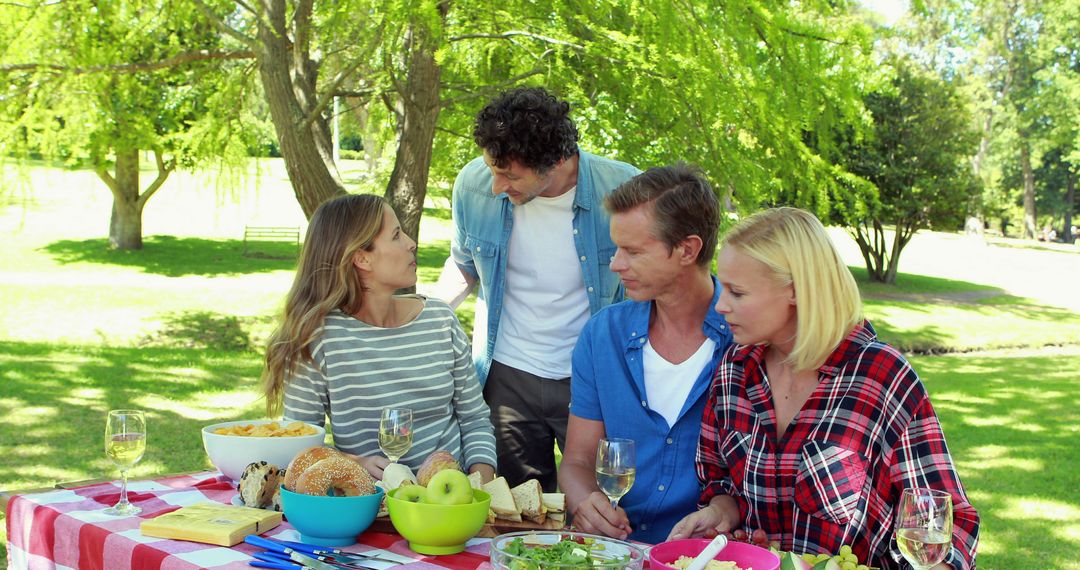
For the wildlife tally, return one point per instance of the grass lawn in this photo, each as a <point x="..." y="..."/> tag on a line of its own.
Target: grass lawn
<point x="84" y="330"/>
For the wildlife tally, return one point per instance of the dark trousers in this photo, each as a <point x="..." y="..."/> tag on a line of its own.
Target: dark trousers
<point x="529" y="414"/>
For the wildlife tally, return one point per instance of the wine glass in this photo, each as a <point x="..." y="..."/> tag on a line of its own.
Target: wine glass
<point x="125" y="443"/>
<point x="924" y="526"/>
<point x="615" y="468"/>
<point x="395" y="432"/>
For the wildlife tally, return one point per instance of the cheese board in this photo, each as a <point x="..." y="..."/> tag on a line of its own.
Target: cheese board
<point x="490" y="530"/>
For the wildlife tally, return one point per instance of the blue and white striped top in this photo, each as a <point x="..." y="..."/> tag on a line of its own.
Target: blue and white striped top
<point x="425" y="365"/>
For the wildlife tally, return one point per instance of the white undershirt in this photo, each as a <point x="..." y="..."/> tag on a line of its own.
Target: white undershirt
<point x="667" y="385"/>
<point x="545" y="304"/>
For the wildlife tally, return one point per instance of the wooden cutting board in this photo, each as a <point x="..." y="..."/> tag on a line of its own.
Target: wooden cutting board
<point x="383" y="524"/>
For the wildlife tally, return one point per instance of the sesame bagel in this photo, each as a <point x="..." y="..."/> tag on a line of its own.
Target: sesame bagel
<point x="338" y="476"/>
<point x="304" y="460"/>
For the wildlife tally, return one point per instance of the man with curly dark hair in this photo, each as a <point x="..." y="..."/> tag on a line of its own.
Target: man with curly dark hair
<point x="530" y="229"/>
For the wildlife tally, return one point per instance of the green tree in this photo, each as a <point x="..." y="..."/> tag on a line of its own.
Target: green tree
<point x="1021" y="58"/>
<point x="103" y="81"/>
<point x="738" y="98"/>
<point x="917" y="158"/>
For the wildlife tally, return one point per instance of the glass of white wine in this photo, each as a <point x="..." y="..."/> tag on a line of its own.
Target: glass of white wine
<point x="395" y="432"/>
<point x="125" y="443"/>
<point x="615" y="468"/>
<point x="924" y="526"/>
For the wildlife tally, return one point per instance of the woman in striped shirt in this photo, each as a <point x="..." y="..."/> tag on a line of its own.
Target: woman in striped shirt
<point x="813" y="427"/>
<point x="347" y="346"/>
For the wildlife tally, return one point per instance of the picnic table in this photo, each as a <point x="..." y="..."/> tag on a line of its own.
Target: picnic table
<point x="66" y="528"/>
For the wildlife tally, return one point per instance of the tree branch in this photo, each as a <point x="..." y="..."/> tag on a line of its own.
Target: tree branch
<point x="31" y="6"/>
<point x="163" y="173"/>
<point x="103" y="174"/>
<point x="489" y="89"/>
<point x="223" y="27"/>
<point x="514" y="33"/>
<point x="332" y="89"/>
<point x="176" y="60"/>
<point x="302" y="27"/>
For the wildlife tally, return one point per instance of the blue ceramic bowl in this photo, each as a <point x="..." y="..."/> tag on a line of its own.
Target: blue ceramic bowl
<point x="330" y="521"/>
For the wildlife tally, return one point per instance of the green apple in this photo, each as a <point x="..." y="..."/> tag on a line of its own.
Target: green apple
<point x="449" y="487"/>
<point x="411" y="493"/>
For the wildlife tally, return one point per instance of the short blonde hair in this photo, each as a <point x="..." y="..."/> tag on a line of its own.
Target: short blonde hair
<point x="794" y="244"/>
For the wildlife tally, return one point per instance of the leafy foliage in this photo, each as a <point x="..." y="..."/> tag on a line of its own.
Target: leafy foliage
<point x="916" y="157"/>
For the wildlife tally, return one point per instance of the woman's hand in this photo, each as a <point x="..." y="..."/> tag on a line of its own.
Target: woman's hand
<point x="487" y="472"/>
<point x="374" y="465"/>
<point x="595" y="515"/>
<point x="722" y="515"/>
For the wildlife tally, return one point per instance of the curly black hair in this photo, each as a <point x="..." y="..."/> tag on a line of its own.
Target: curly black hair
<point x="528" y="125"/>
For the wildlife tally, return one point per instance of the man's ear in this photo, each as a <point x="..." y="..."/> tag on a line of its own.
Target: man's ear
<point x="361" y="260"/>
<point x="688" y="250"/>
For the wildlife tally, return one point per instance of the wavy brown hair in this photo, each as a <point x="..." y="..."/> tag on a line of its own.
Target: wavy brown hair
<point x="325" y="280"/>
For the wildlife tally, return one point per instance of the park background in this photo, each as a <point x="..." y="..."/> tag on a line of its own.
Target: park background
<point x="138" y="139"/>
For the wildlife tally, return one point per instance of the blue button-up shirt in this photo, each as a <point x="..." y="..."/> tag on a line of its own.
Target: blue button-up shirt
<point x="608" y="385"/>
<point x="481" y="241"/>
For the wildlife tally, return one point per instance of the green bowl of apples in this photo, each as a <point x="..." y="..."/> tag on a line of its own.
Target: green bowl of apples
<point x="440" y="518"/>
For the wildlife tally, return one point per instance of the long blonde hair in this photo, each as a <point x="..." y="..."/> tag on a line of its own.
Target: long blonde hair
<point x="325" y="280"/>
<point x="795" y="246"/>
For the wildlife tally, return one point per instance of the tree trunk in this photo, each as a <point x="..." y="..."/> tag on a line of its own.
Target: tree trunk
<point x="1029" y="187"/>
<point x="288" y="80"/>
<point x="872" y="254"/>
<point x="1070" y="200"/>
<point x="125" y="225"/>
<point x="407" y="186"/>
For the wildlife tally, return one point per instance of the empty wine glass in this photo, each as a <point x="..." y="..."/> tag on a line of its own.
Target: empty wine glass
<point x="924" y="526"/>
<point x="615" y="468"/>
<point x="125" y="443"/>
<point x="395" y="432"/>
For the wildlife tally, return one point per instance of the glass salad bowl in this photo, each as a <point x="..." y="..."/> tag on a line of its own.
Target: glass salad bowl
<point x="563" y="550"/>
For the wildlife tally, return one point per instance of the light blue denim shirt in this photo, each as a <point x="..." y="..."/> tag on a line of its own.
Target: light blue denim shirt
<point x="482" y="225"/>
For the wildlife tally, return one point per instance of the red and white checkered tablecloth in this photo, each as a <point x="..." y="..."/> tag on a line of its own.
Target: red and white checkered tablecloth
<point x="67" y="529"/>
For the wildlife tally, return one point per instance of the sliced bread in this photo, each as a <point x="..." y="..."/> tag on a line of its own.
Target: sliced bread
<point x="529" y="498"/>
<point x="502" y="500"/>
<point x="554" y="502"/>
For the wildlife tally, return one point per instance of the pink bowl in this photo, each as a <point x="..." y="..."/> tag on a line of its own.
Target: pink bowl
<point x="745" y="555"/>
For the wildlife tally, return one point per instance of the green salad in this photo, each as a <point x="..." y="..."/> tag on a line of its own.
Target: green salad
<point x="567" y="553"/>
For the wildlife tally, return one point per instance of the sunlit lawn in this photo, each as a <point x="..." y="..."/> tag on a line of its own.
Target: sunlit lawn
<point x="84" y="329"/>
<point x="1012" y="425"/>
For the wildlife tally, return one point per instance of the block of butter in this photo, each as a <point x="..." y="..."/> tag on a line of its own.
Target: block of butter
<point x="212" y="523"/>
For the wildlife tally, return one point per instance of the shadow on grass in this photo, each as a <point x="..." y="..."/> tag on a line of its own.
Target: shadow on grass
<point x="56" y="398"/>
<point x="1011" y="428"/>
<point x="178" y="257"/>
<point x="911" y="283"/>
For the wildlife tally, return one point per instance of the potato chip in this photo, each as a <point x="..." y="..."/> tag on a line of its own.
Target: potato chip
<point x="272" y="429"/>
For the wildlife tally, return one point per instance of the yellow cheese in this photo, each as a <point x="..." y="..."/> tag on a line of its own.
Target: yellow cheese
<point x="212" y="523"/>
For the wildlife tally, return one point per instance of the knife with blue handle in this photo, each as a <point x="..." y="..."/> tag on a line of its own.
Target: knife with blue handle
<point x="298" y="557"/>
<point x="274" y="560"/>
<point x="282" y="552"/>
<point x="338" y="554"/>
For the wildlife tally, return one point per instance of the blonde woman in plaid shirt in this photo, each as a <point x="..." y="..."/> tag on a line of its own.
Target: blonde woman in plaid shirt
<point x="813" y="427"/>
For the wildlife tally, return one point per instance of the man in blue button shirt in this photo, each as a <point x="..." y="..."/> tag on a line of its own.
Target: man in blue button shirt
<point x="642" y="367"/>
<point x="530" y="230"/>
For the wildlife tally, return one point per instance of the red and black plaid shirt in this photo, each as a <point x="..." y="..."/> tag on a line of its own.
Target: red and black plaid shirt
<point x="867" y="432"/>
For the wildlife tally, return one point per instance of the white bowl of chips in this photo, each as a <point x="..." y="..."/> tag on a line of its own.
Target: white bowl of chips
<point x="231" y="446"/>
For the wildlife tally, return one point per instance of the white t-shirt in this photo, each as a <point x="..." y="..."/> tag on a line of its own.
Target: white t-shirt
<point x="667" y="385"/>
<point x="545" y="304"/>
